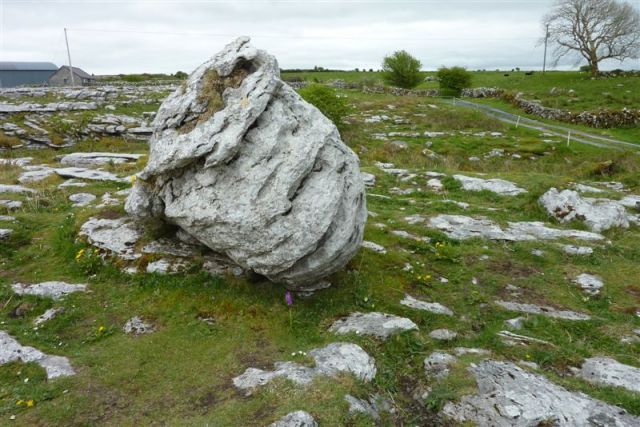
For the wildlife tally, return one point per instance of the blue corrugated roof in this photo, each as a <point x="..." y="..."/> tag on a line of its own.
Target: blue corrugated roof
<point x="27" y="66"/>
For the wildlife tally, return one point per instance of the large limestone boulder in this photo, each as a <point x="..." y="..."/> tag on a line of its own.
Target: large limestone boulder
<point x="243" y="164"/>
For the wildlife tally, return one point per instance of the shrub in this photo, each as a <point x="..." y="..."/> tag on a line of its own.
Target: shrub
<point x="402" y="70"/>
<point x="453" y="80"/>
<point x="327" y="101"/>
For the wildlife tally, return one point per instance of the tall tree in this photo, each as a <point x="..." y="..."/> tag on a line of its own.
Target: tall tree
<point x="402" y="70"/>
<point x="595" y="30"/>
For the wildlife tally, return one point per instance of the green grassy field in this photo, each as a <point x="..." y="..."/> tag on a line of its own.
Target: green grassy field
<point x="181" y="374"/>
<point x="588" y="93"/>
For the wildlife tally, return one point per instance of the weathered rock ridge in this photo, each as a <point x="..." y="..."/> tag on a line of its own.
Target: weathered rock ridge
<point x="240" y="162"/>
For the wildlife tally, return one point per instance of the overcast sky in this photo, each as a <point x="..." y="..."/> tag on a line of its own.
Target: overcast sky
<point x="108" y="37"/>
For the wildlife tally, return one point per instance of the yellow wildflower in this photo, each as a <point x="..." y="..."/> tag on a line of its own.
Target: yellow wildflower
<point x="101" y="329"/>
<point x="79" y="254"/>
<point x="132" y="178"/>
<point x="30" y="403"/>
<point x="19" y="402"/>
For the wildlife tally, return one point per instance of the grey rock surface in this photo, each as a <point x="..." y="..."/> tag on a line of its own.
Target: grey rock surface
<point x="380" y="325"/>
<point x="117" y="236"/>
<point x="10" y="204"/>
<point x="330" y="361"/>
<point x="438" y="364"/>
<point x="610" y="372"/>
<point x="462" y="227"/>
<point x="81" y="199"/>
<point x="542" y="310"/>
<point x="510" y="396"/>
<point x="589" y="283"/>
<point x="443" y="334"/>
<point x="576" y="250"/>
<point x="54" y="289"/>
<point x="498" y="186"/>
<point x="8" y="188"/>
<point x="362" y="406"/>
<point x="374" y="247"/>
<point x="88" y="174"/>
<point x="137" y="326"/>
<point x="97" y="159"/>
<point x="597" y="214"/>
<point x="5" y="232"/>
<point x="296" y="419"/>
<point x="432" y="307"/>
<point x="48" y="315"/>
<point x="265" y="180"/>
<point x="11" y="350"/>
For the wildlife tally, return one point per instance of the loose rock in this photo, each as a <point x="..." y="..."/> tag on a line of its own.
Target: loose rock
<point x="380" y="325"/>
<point x="589" y="283"/>
<point x="438" y="364"/>
<point x="543" y="310"/>
<point x="296" y="419"/>
<point x="432" y="307"/>
<point x="300" y="217"/>
<point x="330" y="361"/>
<point x="443" y="335"/>
<point x="137" y="326"/>
<point x="498" y="186"/>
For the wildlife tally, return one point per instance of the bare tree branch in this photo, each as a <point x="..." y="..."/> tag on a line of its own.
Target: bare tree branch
<point x="594" y="30"/>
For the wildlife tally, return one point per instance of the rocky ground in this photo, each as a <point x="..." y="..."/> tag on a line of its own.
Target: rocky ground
<point x="497" y="284"/>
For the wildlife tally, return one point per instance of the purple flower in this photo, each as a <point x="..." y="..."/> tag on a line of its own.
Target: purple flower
<point x="288" y="298"/>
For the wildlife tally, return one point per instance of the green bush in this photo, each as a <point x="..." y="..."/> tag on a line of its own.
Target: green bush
<point x="402" y="70"/>
<point x="327" y="101"/>
<point x="453" y="80"/>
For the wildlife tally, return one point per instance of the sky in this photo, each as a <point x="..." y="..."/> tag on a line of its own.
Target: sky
<point x="160" y="36"/>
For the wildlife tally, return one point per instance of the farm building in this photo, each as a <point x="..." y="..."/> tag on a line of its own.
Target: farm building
<point x="62" y="77"/>
<point x="25" y="73"/>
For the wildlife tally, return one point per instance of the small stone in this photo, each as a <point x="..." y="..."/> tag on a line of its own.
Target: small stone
<point x="537" y="252"/>
<point x="438" y="364"/>
<point x="589" y="283"/>
<point x="137" y="326"/>
<point x="515" y="323"/>
<point x="361" y="406"/>
<point x="610" y="372"/>
<point x="81" y="199"/>
<point x="380" y="325"/>
<point x="543" y="310"/>
<point x="443" y="335"/>
<point x="374" y="247"/>
<point x="498" y="186"/>
<point x="576" y="250"/>
<point x="48" y="315"/>
<point x="5" y="233"/>
<point x="432" y="307"/>
<point x="296" y="419"/>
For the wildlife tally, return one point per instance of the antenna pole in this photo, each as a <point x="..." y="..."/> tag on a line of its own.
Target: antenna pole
<point x="73" y="83"/>
<point x="546" y="39"/>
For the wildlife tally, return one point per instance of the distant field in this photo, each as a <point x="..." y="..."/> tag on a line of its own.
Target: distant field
<point x="615" y="92"/>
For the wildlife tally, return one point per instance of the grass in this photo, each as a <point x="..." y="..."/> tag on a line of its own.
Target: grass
<point x="181" y="374"/>
<point x="568" y="90"/>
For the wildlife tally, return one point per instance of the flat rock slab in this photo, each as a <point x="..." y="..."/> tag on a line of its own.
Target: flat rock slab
<point x="35" y="174"/>
<point x="10" y="204"/>
<point x="88" y="174"/>
<point x="362" y="406"/>
<point x="610" y="372"/>
<point x="542" y="310"/>
<point x="54" y="289"/>
<point x="11" y="351"/>
<point x="510" y="396"/>
<point x="597" y="214"/>
<point x="380" y="325"/>
<point x="432" y="307"/>
<point x="460" y="227"/>
<point x="296" y="419"/>
<point x="6" y="188"/>
<point x="81" y="199"/>
<point x="589" y="283"/>
<point x="334" y="359"/>
<point x="117" y="236"/>
<point x="498" y="186"/>
<point x="98" y="159"/>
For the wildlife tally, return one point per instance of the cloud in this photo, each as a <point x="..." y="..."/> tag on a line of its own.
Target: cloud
<point x="167" y="36"/>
